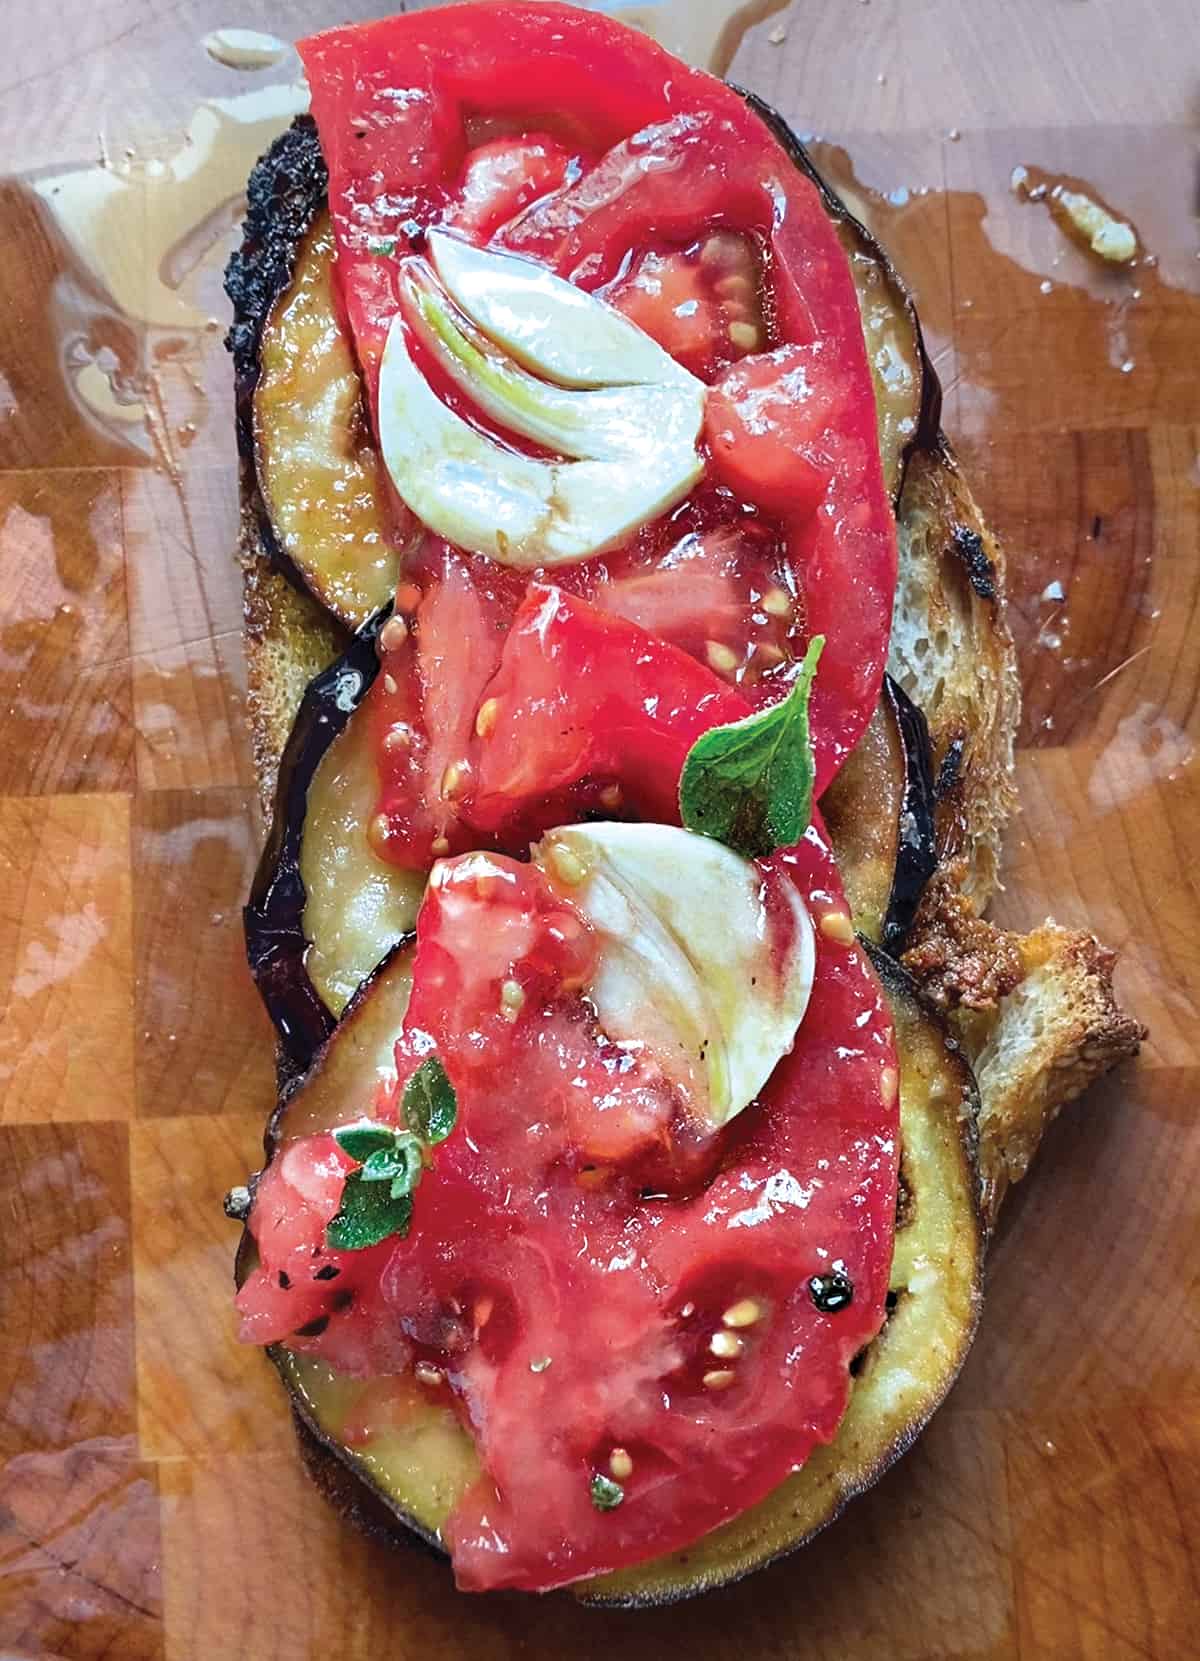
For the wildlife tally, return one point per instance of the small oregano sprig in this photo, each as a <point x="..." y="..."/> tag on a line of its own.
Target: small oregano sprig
<point x="377" y="1199"/>
<point x="750" y="784"/>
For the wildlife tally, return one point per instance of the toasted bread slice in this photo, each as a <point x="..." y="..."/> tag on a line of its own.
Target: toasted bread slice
<point x="289" y="640"/>
<point x="1035" y="1015"/>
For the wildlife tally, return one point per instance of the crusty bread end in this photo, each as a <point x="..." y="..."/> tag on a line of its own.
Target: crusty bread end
<point x="1035" y="1014"/>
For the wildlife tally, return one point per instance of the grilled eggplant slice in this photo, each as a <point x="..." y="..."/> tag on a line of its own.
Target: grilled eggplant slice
<point x="308" y="462"/>
<point x="879" y="812"/>
<point x="306" y="451"/>
<point x="408" y="1484"/>
<point x="324" y="911"/>
<point x="908" y="394"/>
<point x="320" y="477"/>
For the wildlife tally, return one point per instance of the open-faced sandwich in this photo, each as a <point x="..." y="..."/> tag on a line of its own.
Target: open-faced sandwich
<point x="634" y="703"/>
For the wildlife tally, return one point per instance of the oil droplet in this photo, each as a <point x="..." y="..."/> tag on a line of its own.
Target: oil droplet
<point x="1127" y="367"/>
<point x="1046" y="286"/>
<point x="1053" y="591"/>
<point x="244" y="48"/>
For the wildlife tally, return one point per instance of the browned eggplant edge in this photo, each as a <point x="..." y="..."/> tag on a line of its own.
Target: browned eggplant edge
<point x="928" y="435"/>
<point x="273" y="918"/>
<point x="341" y="1480"/>
<point x="286" y="191"/>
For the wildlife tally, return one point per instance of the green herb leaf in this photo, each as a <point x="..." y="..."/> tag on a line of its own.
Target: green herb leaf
<point x="362" y="1140"/>
<point x="368" y="1215"/>
<point x="382" y="249"/>
<point x="383" y="1165"/>
<point x="430" y="1105"/>
<point x="606" y="1494"/>
<point x="400" y="1164"/>
<point x="749" y="784"/>
<point x="377" y="1198"/>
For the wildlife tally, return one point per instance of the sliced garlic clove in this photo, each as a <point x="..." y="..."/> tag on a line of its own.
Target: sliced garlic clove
<point x="690" y="967"/>
<point x="520" y="511"/>
<point x="547" y="323"/>
<point x="597" y="424"/>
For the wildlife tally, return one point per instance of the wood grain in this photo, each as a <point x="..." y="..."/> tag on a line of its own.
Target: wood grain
<point x="151" y="1502"/>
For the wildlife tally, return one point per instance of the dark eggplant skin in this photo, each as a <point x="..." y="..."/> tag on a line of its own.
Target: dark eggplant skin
<point x="273" y="918"/>
<point x="286" y="192"/>
<point x="916" y="845"/>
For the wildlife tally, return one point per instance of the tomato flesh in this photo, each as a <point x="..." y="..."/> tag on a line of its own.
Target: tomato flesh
<point x="703" y="304"/>
<point x="497" y="715"/>
<point x="677" y="204"/>
<point x="502" y="177"/>
<point x="570" y="1289"/>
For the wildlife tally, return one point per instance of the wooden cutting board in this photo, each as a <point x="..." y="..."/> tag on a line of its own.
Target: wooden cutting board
<point x="151" y="1502"/>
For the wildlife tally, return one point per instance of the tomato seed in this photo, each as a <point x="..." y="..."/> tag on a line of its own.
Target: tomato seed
<point x="743" y="1313"/>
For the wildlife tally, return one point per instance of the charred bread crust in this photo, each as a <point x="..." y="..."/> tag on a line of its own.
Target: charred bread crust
<point x="952" y="653"/>
<point x="289" y="640"/>
<point x="1035" y="1014"/>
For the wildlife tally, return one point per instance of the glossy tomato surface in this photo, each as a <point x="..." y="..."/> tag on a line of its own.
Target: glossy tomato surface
<point x="570" y="139"/>
<point x="601" y="1286"/>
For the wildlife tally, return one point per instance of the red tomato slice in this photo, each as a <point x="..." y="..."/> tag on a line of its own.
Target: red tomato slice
<point x="572" y="1312"/>
<point x="423" y="704"/>
<point x="585" y="699"/>
<point x="680" y="155"/>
